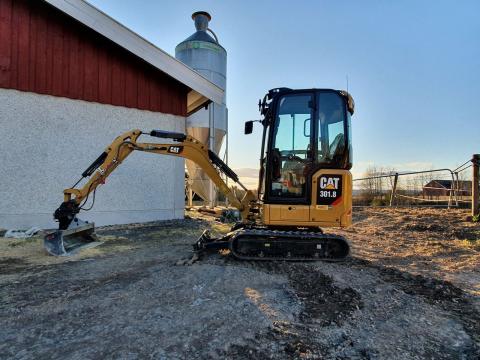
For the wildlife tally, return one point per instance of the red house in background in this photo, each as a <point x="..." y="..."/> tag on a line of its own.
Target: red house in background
<point x="442" y="188"/>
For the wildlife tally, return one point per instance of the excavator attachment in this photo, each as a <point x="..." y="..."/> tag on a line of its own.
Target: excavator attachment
<point x="79" y="235"/>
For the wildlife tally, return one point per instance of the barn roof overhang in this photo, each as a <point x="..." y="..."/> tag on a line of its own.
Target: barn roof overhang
<point x="202" y="91"/>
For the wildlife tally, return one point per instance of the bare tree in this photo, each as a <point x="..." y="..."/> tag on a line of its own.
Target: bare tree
<point x="376" y="186"/>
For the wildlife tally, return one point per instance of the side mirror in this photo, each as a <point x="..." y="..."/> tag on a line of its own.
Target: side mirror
<point x="248" y="127"/>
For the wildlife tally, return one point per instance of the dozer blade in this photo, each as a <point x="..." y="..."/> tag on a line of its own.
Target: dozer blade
<point x="68" y="242"/>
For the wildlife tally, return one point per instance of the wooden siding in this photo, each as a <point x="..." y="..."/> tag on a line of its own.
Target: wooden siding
<point x="45" y="51"/>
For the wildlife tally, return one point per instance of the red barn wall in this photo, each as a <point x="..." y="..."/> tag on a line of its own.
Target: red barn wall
<point x="45" y="51"/>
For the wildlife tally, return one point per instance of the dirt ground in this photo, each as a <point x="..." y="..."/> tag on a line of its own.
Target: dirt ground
<point x="411" y="290"/>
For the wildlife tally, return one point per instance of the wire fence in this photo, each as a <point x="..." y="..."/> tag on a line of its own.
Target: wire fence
<point x="433" y="187"/>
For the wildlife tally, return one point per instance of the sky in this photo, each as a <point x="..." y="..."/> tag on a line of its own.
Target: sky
<point x="413" y="68"/>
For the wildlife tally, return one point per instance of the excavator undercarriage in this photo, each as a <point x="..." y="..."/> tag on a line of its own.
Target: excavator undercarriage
<point x="259" y="243"/>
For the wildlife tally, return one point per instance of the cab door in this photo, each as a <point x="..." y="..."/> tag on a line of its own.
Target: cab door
<point x="290" y="157"/>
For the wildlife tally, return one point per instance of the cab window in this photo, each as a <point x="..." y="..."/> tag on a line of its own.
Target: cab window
<point x="331" y="128"/>
<point x="291" y="146"/>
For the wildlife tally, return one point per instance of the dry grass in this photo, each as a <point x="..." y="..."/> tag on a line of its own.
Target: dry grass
<point x="430" y="242"/>
<point x="31" y="250"/>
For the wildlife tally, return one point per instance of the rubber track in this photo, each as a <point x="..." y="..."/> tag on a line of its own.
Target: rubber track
<point x="294" y="236"/>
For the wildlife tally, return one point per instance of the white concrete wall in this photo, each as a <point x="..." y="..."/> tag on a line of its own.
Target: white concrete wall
<point x="47" y="142"/>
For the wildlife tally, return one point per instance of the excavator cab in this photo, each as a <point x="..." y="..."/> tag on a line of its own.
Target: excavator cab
<point x="306" y="158"/>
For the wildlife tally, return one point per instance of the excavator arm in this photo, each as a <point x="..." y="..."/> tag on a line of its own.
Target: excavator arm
<point x="181" y="146"/>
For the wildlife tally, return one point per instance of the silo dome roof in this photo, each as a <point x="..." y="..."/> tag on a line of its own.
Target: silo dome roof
<point x="201" y="20"/>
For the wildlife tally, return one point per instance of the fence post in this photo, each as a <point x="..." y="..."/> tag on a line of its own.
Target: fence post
<point x="453" y="193"/>
<point x="475" y="190"/>
<point x="394" y="189"/>
<point x="457" y="188"/>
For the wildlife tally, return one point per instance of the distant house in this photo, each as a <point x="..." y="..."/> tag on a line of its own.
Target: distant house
<point x="441" y="188"/>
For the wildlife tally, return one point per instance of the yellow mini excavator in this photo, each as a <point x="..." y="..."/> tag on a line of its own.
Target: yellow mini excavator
<point x="304" y="181"/>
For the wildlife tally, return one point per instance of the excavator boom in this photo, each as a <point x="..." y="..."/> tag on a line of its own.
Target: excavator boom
<point x="74" y="233"/>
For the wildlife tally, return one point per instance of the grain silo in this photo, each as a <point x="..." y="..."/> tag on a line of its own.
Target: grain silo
<point x="203" y="53"/>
